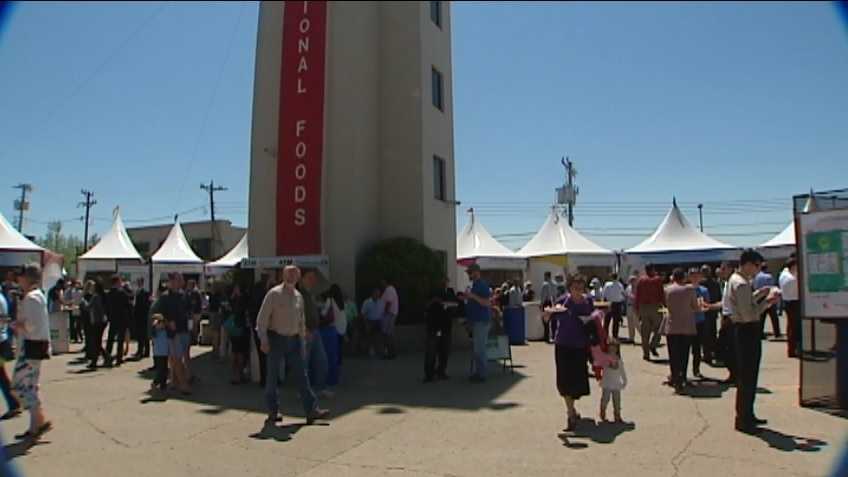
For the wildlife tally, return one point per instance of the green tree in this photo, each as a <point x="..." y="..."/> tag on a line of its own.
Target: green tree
<point x="413" y="268"/>
<point x="70" y="246"/>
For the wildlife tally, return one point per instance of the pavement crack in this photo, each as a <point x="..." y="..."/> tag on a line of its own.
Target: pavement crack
<point x="678" y="459"/>
<point x="100" y="431"/>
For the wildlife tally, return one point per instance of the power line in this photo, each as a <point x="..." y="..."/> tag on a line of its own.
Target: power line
<point x="97" y="70"/>
<point x="209" y="105"/>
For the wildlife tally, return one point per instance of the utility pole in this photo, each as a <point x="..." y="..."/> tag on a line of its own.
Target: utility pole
<point x="570" y="190"/>
<point x="211" y="188"/>
<point x="22" y="205"/>
<point x="88" y="203"/>
<point x="701" y="216"/>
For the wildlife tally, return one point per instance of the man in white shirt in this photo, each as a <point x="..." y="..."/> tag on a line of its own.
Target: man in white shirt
<point x="516" y="297"/>
<point x="792" y="304"/>
<point x="391" y="302"/>
<point x="613" y="292"/>
<point x="281" y="327"/>
<point x="748" y="304"/>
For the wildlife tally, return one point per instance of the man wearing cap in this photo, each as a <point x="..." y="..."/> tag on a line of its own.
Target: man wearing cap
<point x="748" y="304"/>
<point x="478" y="314"/>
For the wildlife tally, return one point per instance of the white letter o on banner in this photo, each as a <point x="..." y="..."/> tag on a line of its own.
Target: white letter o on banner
<point x="300" y="171"/>
<point x="304" y="25"/>
<point x="300" y="150"/>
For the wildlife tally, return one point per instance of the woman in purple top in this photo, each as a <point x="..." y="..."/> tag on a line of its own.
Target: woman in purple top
<point x="575" y="333"/>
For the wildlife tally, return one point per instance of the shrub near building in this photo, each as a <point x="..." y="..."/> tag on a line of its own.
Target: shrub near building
<point x="413" y="268"/>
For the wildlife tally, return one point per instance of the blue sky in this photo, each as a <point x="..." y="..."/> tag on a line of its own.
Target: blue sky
<point x="737" y="106"/>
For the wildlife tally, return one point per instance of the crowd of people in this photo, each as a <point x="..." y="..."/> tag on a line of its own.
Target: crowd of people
<point x="687" y="308"/>
<point x="718" y="316"/>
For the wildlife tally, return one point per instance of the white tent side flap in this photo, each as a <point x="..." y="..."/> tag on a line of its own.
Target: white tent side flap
<point x="13" y="241"/>
<point x="783" y="239"/>
<point x="676" y="240"/>
<point x="233" y="258"/>
<point x="556" y="237"/>
<point x="115" y="245"/>
<point x="175" y="249"/>
<point x="475" y="241"/>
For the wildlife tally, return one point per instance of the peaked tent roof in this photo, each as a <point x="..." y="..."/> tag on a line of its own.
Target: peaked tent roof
<point x="675" y="234"/>
<point x="115" y="245"/>
<point x="176" y="249"/>
<point x="234" y="256"/>
<point x="475" y="241"/>
<point x="13" y="241"/>
<point x="783" y="239"/>
<point x="556" y="237"/>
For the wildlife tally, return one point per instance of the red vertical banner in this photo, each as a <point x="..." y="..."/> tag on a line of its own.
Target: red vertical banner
<point x="301" y="128"/>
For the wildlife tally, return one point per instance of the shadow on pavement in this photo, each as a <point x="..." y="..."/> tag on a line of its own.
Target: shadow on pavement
<point x="21" y="448"/>
<point x="389" y="386"/>
<point x="597" y="432"/>
<point x="787" y="443"/>
<point x="707" y="389"/>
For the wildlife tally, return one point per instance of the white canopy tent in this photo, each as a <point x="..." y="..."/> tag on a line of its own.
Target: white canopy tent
<point x="112" y="251"/>
<point x="559" y="249"/>
<point x="15" y="249"/>
<point x="175" y="255"/>
<point x="475" y="244"/>
<point x="677" y="241"/>
<point x="781" y="245"/>
<point x="231" y="260"/>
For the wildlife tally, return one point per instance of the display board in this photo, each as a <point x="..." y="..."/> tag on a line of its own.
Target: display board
<point x="823" y="239"/>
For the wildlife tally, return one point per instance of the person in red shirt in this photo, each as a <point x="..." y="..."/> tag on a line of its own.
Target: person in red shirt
<point x="650" y="296"/>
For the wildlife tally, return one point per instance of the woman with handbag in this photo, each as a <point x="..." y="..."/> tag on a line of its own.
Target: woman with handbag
<point x="33" y="328"/>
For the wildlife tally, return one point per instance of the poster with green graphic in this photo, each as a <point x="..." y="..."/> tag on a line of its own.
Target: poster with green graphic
<point x="824" y="256"/>
<point x="823" y="241"/>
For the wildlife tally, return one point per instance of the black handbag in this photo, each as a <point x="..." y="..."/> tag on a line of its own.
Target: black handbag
<point x="36" y="349"/>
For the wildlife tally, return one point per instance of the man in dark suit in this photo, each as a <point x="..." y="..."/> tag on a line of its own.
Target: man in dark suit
<point x="141" y="312"/>
<point x="118" y="310"/>
<point x="440" y="314"/>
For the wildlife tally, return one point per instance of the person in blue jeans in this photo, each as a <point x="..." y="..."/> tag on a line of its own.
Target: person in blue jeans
<point x="316" y="362"/>
<point x="281" y="327"/>
<point x="478" y="313"/>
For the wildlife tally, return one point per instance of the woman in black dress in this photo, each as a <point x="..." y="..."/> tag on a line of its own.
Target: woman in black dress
<point x="575" y="332"/>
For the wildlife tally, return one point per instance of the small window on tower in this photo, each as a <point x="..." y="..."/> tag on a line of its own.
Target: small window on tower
<point x="436" y="13"/>
<point x="438" y="90"/>
<point x="439" y="178"/>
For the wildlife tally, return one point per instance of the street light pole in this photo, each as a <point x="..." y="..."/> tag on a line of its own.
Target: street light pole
<point x="701" y="216"/>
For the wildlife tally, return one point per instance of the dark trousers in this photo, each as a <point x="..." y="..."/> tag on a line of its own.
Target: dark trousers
<point x="697" y="346"/>
<point x="614" y="315"/>
<point x="142" y="334"/>
<point x="438" y="350"/>
<point x="749" y="350"/>
<point x="262" y="359"/>
<point x="374" y="331"/>
<point x="94" y="342"/>
<point x="74" y="330"/>
<point x="709" y="342"/>
<point x="117" y="333"/>
<point x="160" y="365"/>
<point x="727" y="345"/>
<point x="678" y="351"/>
<point x="775" y="322"/>
<point x="6" y="387"/>
<point x="793" y="327"/>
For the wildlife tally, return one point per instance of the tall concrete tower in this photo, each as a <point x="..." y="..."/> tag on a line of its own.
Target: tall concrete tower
<point x="352" y="136"/>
